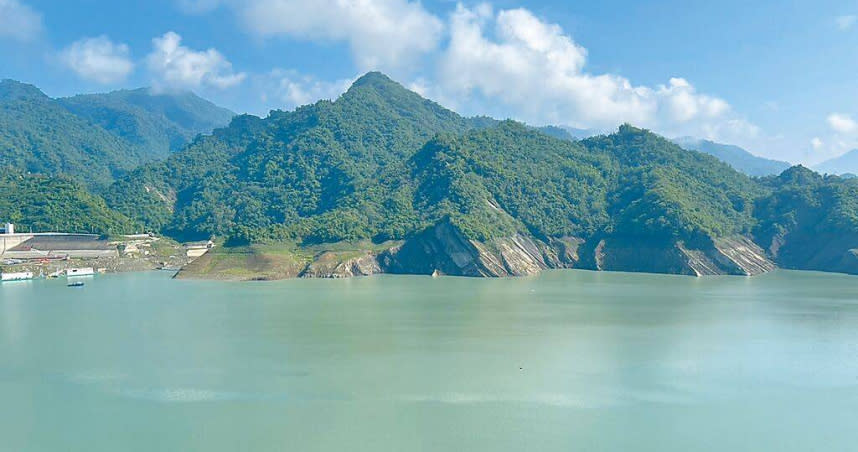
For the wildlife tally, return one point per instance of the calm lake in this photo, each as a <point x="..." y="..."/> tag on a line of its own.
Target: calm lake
<point x="568" y="360"/>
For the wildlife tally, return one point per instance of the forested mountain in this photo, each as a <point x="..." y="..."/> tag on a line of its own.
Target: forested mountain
<point x="37" y="134"/>
<point x="96" y="138"/>
<point x="464" y="196"/>
<point x="738" y="158"/>
<point x="810" y="221"/>
<point x="321" y="173"/>
<point x="382" y="180"/>
<point x="846" y="164"/>
<point x="42" y="203"/>
<point x="157" y="122"/>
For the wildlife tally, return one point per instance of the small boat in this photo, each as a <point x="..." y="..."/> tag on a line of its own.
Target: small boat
<point x="86" y="271"/>
<point x="19" y="276"/>
<point x="76" y="284"/>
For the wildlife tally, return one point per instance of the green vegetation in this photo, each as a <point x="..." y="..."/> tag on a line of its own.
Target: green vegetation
<point x="39" y="135"/>
<point x="159" y="123"/>
<point x="41" y="203"/>
<point x="96" y="138"/>
<point x="381" y="165"/>
<point x="809" y="220"/>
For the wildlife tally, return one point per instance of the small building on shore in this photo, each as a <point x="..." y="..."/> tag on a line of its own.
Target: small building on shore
<point x="197" y="249"/>
<point x="7" y="229"/>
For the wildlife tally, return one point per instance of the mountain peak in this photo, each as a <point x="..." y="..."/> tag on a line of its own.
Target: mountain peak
<point x="381" y="84"/>
<point x="15" y="90"/>
<point x="374" y="78"/>
<point x="799" y="174"/>
<point x="844" y="163"/>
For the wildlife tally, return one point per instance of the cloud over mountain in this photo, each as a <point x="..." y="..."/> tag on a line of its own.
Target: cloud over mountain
<point x="98" y="59"/>
<point x="173" y="65"/>
<point x="538" y="72"/>
<point x="482" y="60"/>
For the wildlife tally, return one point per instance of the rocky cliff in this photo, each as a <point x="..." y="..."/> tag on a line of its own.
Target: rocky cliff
<point x="803" y="250"/>
<point x="736" y="255"/>
<point x="443" y="249"/>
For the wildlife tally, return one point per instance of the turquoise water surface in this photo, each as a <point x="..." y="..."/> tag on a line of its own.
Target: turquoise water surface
<point x="568" y="360"/>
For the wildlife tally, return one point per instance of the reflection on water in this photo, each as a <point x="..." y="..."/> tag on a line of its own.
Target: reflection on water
<point x="567" y="360"/>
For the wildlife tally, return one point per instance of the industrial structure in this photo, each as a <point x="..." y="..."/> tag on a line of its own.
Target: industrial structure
<point x="52" y="245"/>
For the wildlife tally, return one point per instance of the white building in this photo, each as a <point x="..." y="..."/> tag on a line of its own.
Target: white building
<point x="7" y="228"/>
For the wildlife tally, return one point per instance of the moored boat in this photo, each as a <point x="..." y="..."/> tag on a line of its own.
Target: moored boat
<point x="16" y="276"/>
<point x="85" y="271"/>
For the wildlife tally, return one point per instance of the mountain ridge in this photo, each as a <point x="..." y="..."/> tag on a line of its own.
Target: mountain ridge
<point x="383" y="180"/>
<point x="846" y="163"/>
<point x="98" y="137"/>
<point x="470" y="196"/>
<point x="735" y="156"/>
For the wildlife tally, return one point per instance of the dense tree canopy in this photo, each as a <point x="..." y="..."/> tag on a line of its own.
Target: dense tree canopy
<point x="60" y="204"/>
<point x="381" y="163"/>
<point x="97" y="138"/>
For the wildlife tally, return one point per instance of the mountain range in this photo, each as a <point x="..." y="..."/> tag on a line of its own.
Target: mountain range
<point x="844" y="164"/>
<point x="383" y="180"/>
<point x="96" y="138"/>
<point x="740" y="159"/>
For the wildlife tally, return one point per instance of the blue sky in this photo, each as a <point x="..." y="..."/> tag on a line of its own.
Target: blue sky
<point x="775" y="77"/>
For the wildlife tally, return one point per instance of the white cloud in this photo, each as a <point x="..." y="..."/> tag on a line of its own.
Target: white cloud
<point x="19" y="21"/>
<point x="816" y="143"/>
<point x="538" y="73"/>
<point x="289" y="89"/>
<point x="98" y="59"/>
<point x="506" y="63"/>
<point x="846" y="22"/>
<point x="841" y="123"/>
<point x="382" y="34"/>
<point x="176" y="66"/>
<point x="684" y="104"/>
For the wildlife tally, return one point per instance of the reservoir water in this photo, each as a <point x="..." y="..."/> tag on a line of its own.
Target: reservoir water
<point x="568" y="360"/>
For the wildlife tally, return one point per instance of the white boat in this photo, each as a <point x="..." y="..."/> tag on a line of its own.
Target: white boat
<point x="16" y="276"/>
<point x="85" y="271"/>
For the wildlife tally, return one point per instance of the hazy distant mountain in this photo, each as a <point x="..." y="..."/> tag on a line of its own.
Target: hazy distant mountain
<point x="39" y="135"/>
<point x="559" y="132"/>
<point x="738" y="158"/>
<point x="569" y="133"/>
<point x="97" y="137"/>
<point x="844" y="164"/>
<point x="157" y="122"/>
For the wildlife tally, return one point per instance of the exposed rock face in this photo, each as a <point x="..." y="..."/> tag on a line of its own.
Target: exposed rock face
<point x="444" y="249"/>
<point x="330" y="265"/>
<point x="744" y="255"/>
<point x="821" y="252"/>
<point x="728" y="256"/>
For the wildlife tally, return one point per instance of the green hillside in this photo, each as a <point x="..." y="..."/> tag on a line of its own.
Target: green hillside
<point x="39" y="135"/>
<point x="158" y="123"/>
<point x="41" y="203"/>
<point x="384" y="180"/>
<point x="382" y="163"/>
<point x="810" y="221"/>
<point x="97" y="138"/>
